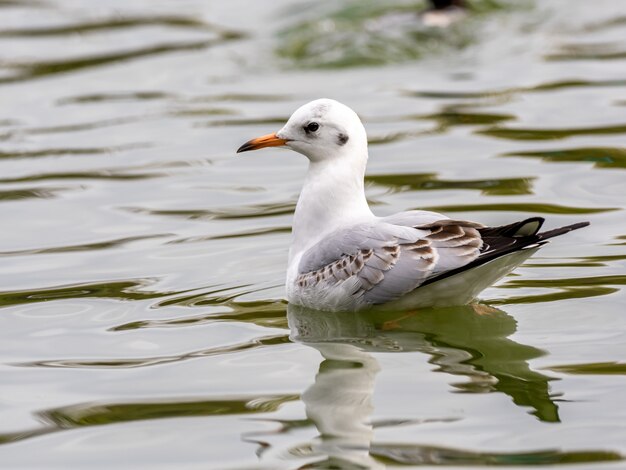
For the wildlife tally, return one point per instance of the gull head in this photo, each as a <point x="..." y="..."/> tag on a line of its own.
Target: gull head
<point x="321" y="130"/>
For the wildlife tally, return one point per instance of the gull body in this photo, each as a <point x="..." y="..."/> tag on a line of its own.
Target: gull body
<point x="343" y="257"/>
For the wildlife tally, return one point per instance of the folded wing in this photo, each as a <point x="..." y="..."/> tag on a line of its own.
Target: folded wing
<point x="381" y="261"/>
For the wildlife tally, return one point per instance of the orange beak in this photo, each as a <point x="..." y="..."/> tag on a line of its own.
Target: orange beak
<point x="269" y="140"/>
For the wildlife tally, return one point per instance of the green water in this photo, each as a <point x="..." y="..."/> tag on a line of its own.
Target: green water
<point x="142" y="313"/>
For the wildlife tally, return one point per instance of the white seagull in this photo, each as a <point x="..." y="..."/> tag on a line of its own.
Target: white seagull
<point x="344" y="258"/>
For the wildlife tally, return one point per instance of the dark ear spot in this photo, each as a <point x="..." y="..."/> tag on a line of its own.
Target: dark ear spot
<point x="342" y="138"/>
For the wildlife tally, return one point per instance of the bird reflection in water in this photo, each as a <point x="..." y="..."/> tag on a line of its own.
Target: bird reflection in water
<point x="470" y="341"/>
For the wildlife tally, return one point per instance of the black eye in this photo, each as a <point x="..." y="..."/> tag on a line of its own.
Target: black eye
<point x="312" y="127"/>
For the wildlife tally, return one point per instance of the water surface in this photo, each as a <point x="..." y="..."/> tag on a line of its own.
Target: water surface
<point x="142" y="313"/>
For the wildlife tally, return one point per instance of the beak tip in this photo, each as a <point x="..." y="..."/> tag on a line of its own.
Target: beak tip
<point x="246" y="147"/>
<point x="270" y="140"/>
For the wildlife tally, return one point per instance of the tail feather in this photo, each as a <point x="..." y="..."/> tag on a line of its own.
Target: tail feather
<point x="561" y="230"/>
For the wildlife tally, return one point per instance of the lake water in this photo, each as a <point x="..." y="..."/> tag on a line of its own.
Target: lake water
<point x="142" y="313"/>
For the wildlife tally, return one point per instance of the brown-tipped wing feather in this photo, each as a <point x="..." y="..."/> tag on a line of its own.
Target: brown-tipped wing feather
<point x="506" y="239"/>
<point x="381" y="262"/>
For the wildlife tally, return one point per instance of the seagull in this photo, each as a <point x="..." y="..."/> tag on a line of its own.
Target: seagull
<point x="345" y="258"/>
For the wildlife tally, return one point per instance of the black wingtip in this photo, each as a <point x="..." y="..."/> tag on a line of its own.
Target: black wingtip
<point x="562" y="230"/>
<point x="578" y="225"/>
<point x="507" y="239"/>
<point x="524" y="228"/>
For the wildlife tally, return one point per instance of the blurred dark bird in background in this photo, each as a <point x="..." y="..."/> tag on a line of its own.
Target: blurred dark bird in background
<point x="443" y="13"/>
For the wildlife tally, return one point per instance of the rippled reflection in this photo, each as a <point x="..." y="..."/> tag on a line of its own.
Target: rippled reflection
<point x="470" y="342"/>
<point x="508" y="92"/>
<point x="426" y="182"/>
<point x="98" y="414"/>
<point x="545" y="208"/>
<point x="606" y="157"/>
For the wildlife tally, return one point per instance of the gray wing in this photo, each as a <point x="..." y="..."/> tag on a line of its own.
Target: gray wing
<point x="382" y="261"/>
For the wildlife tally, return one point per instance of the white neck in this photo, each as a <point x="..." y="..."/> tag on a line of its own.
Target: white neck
<point x="332" y="196"/>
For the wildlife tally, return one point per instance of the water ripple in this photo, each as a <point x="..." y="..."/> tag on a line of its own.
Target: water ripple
<point x="226" y="236"/>
<point x="414" y="454"/>
<point x="237" y="212"/>
<point x="58" y="152"/>
<point x="593" y="51"/>
<point x="430" y="181"/>
<point x="30" y="193"/>
<point x="551" y="134"/>
<point x="263" y="313"/>
<point x="601" y="157"/>
<point x="111" y="175"/>
<point x="120" y="290"/>
<point x="126" y="22"/>
<point x="132" y="363"/>
<point x="82" y="126"/>
<point x="595" y="368"/>
<point x="34" y="70"/>
<point x="121" y="96"/>
<point x="540" y="208"/>
<point x="102" y="413"/>
<point x="508" y="92"/>
<point x="94" y="246"/>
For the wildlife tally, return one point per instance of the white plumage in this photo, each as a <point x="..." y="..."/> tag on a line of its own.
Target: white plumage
<point x="343" y="257"/>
